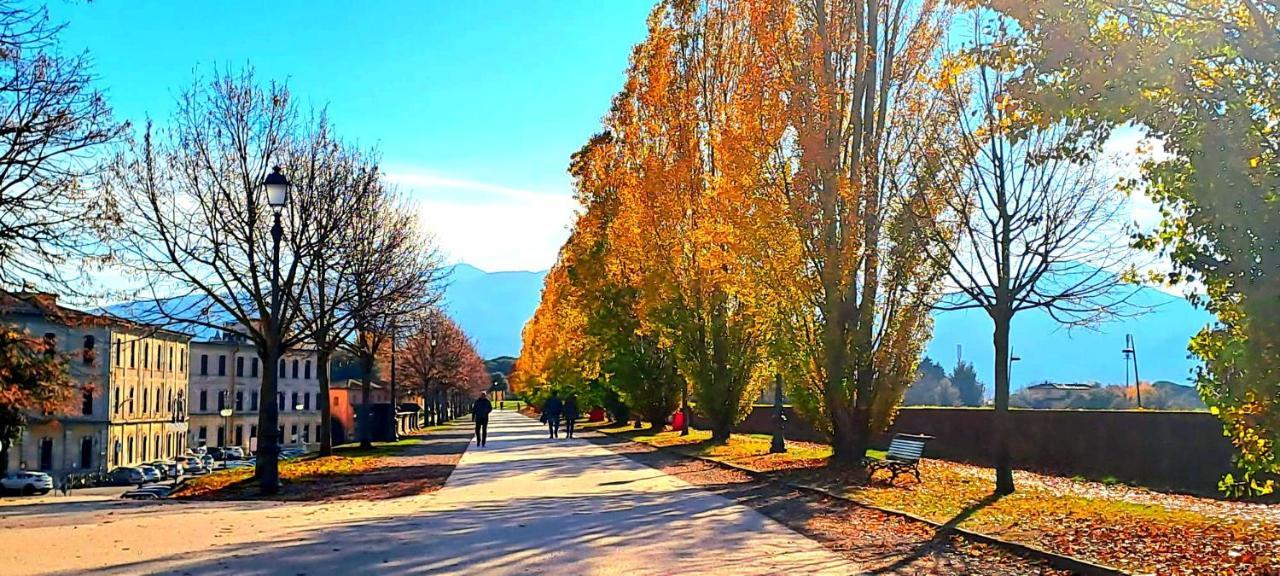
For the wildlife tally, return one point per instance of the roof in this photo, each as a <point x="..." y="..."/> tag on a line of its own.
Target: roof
<point x="354" y="384"/>
<point x="1058" y="386"/>
<point x="45" y="305"/>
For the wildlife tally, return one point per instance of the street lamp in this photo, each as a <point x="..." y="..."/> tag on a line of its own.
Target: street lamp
<point x="277" y="188"/>
<point x="226" y="425"/>
<point x="779" y="444"/>
<point x="1130" y="352"/>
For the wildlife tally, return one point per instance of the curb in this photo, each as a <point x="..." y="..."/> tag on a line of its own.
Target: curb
<point x="1059" y="561"/>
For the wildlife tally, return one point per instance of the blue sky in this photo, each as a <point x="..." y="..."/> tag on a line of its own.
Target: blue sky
<point x="475" y="106"/>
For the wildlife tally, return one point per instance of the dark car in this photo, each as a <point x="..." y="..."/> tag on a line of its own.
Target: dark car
<point x="216" y="453"/>
<point x="125" y="476"/>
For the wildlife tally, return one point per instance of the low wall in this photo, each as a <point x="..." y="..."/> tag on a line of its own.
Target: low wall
<point x="1183" y="451"/>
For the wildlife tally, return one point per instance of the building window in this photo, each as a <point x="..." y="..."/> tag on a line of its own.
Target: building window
<point x="146" y="363"/>
<point x="337" y="400"/>
<point x="240" y="435"/>
<point x="306" y="401"/>
<point x="86" y="452"/>
<point x="222" y="364"/>
<point x="89" y="354"/>
<point x="170" y="359"/>
<point x="222" y="400"/>
<point x="146" y="404"/>
<point x="133" y="355"/>
<point x="86" y="406"/>
<point x="306" y="434"/>
<point x="222" y="435"/>
<point x="239" y="366"/>
<point x="204" y="434"/>
<point x="307" y="370"/>
<point x="129" y="453"/>
<point x="282" y="367"/>
<point x="50" y="344"/>
<point x="133" y="409"/>
<point x="239" y="400"/>
<point x="119" y="352"/>
<point x="159" y="359"/>
<point x="253" y="431"/>
<point x="46" y="454"/>
<point x="295" y="369"/>
<point x="159" y="407"/>
<point x="116" y="407"/>
<point x="253" y="401"/>
<point x="204" y="400"/>
<point x="182" y="360"/>
<point x="280" y="401"/>
<point x="293" y="434"/>
<point x="204" y="364"/>
<point x="253" y="367"/>
<point x="295" y="401"/>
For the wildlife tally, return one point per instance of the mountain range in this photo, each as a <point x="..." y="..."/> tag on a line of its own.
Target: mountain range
<point x="493" y="307"/>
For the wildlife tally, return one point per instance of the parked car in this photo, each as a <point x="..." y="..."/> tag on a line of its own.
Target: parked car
<point x="241" y="464"/>
<point x="125" y="476"/>
<point x="168" y="468"/>
<point x="289" y="453"/>
<point x="192" y="465"/>
<point x="151" y="474"/>
<point x="148" y="493"/>
<point x="208" y="461"/>
<point x="216" y="452"/>
<point x="233" y="453"/>
<point x="27" y="483"/>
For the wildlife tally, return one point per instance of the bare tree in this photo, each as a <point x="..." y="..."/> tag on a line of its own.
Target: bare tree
<point x="397" y="274"/>
<point x="1035" y="224"/>
<point x="53" y="123"/>
<point x="200" y="228"/>
<point x="328" y="300"/>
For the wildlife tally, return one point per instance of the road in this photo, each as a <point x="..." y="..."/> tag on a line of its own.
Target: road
<point x="521" y="505"/>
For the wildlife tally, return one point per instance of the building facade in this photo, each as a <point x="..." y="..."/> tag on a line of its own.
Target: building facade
<point x="226" y="381"/>
<point x="131" y="382"/>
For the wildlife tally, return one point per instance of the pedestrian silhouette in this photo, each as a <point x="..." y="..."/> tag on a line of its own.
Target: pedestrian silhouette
<point x="551" y="410"/>
<point x="570" y="415"/>
<point x="480" y="415"/>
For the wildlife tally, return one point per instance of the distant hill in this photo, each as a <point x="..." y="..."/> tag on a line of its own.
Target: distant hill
<point x="503" y="364"/>
<point x="492" y="307"/>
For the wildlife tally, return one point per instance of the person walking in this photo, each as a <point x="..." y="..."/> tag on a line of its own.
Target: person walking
<point x="480" y="415"/>
<point x="570" y="415"/>
<point x="551" y="411"/>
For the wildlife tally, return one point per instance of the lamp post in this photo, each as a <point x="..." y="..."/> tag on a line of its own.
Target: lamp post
<point x="1131" y="355"/>
<point x="226" y="427"/>
<point x="276" y="187"/>
<point x="395" y="405"/>
<point x="779" y="444"/>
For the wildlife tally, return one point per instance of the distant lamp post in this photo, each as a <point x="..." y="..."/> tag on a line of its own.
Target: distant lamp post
<point x="1130" y="352"/>
<point x="277" y="188"/>
<point x="1012" y="358"/>
<point x="779" y="444"/>
<point x="226" y="424"/>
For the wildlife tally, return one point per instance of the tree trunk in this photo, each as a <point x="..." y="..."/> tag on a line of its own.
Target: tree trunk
<point x="326" y="411"/>
<point x="365" y="422"/>
<point x="1000" y="421"/>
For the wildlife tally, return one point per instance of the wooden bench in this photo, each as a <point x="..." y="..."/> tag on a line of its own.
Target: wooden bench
<point x="903" y="456"/>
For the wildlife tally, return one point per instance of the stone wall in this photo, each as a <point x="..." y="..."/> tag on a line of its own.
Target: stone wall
<point x="1182" y="451"/>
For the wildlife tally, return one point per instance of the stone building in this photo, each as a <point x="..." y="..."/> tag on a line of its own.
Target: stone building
<point x="131" y="384"/>
<point x="226" y="379"/>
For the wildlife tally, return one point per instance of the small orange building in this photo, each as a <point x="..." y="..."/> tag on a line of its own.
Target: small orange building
<point x="345" y="396"/>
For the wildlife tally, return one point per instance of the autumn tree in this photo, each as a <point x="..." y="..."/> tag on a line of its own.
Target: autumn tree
<point x="34" y="378"/>
<point x="1199" y="78"/>
<point x="1032" y="222"/>
<point x="685" y="220"/>
<point x="437" y="357"/>
<point x="861" y="120"/>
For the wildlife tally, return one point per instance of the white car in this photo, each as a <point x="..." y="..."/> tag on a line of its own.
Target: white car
<point x="28" y="482"/>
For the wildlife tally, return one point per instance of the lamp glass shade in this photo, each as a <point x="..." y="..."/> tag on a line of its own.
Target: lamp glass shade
<point x="225" y="412"/>
<point x="277" y="187"/>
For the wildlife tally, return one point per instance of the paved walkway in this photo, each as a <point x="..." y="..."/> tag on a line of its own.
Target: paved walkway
<point x="522" y="505"/>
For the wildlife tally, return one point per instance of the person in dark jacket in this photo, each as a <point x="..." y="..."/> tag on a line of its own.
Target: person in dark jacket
<point x="551" y="410"/>
<point x="480" y="415"/>
<point x="570" y="415"/>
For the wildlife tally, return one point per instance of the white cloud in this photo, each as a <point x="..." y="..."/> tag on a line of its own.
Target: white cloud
<point x="489" y="225"/>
